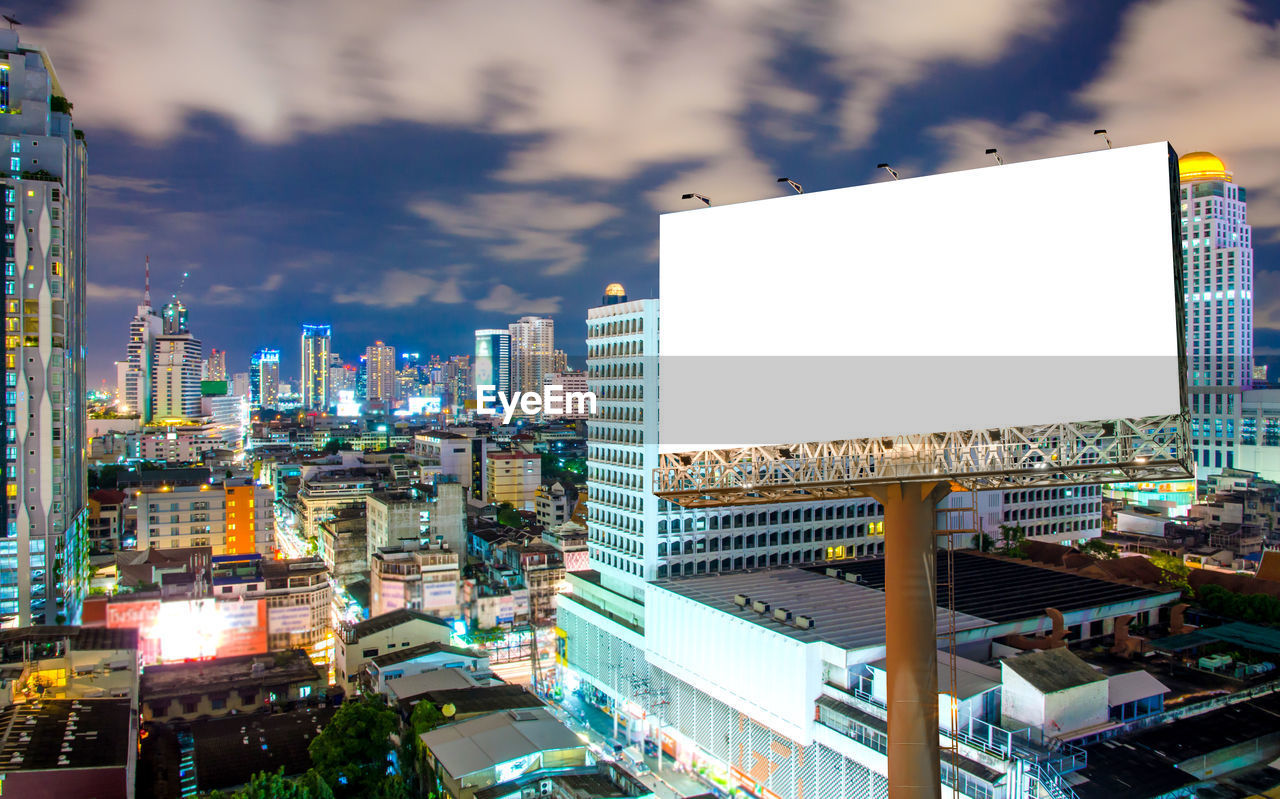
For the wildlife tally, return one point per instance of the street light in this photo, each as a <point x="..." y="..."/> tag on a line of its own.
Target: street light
<point x="1103" y="133"/>
<point x="996" y="153"/>
<point x="799" y="189"/>
<point x="694" y="195"/>
<point x="888" y="169"/>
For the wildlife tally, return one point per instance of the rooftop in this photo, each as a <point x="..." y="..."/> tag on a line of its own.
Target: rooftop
<point x="81" y="638"/>
<point x="229" y="751"/>
<point x="972" y="678"/>
<point x="465" y="747"/>
<point x="225" y="674"/>
<point x="1053" y="670"/>
<point x="845" y="614"/>
<point x="1002" y="589"/>
<point x="1132" y="686"/>
<point x="36" y="735"/>
<point x="481" y="699"/>
<point x="413" y="686"/>
<point x="391" y="619"/>
<point x="1236" y="633"/>
<point x="421" y="650"/>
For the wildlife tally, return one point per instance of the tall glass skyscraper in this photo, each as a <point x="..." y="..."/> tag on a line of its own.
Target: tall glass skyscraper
<point x="264" y="378"/>
<point x="44" y="557"/>
<point x="493" y="360"/>
<point x="1217" y="277"/>
<point x="314" y="380"/>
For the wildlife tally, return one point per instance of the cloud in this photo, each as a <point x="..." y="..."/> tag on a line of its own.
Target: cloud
<point x="127" y="183"/>
<point x="731" y="178"/>
<point x="507" y="300"/>
<point x="1228" y="103"/>
<point x="877" y="47"/>
<point x="584" y="89"/>
<point x="522" y="225"/>
<point x="400" y="288"/>
<point x="100" y="292"/>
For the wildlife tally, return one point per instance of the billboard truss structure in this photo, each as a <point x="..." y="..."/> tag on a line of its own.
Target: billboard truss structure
<point x="1065" y="453"/>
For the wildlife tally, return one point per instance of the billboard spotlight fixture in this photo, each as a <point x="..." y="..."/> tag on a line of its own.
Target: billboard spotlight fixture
<point x="694" y="195"/>
<point x="1103" y="133"/>
<point x="888" y="169"/>
<point x="799" y="189"/>
<point x="996" y="153"/>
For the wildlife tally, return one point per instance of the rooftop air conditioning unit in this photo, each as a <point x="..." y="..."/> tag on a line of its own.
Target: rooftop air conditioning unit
<point x="741" y="600"/>
<point x="804" y="622"/>
<point x="782" y="614"/>
<point x="760" y="607"/>
<point x="546" y="788"/>
<point x="852" y="578"/>
<point x="834" y="572"/>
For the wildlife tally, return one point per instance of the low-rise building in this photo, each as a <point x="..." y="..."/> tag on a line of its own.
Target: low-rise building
<point x="570" y="539"/>
<point x="552" y="505"/>
<point x="342" y="545"/>
<point x="387" y="668"/>
<point x="218" y="686"/>
<point x="506" y="753"/>
<point x="106" y="520"/>
<point x="59" y="748"/>
<point x="417" y="577"/>
<point x="172" y="516"/>
<point x="512" y="477"/>
<point x="359" y="643"/>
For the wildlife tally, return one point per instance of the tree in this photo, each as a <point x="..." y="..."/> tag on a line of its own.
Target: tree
<point x="351" y="753"/>
<point x="1013" y="541"/>
<point x="509" y="516"/>
<point x="982" y="542"/>
<point x="1099" y="549"/>
<point x="425" y="718"/>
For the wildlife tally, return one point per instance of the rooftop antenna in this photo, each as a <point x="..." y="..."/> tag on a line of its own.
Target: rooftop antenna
<point x="888" y="169"/>
<point x="181" y="283"/>
<point x="1103" y="133"/>
<point x="146" y="292"/>
<point x="799" y="189"/>
<point x="694" y="195"/>
<point x="13" y="23"/>
<point x="996" y="153"/>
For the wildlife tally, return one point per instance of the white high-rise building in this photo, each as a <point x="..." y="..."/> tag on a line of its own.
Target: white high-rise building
<point x="314" y="378"/>
<point x="176" y="367"/>
<point x="380" y="373"/>
<point x="533" y="356"/>
<point x="44" y="549"/>
<point x="1217" y="285"/>
<point x="215" y="368"/>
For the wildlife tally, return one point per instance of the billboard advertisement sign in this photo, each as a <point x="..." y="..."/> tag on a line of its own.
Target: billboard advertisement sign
<point x="289" y="619"/>
<point x="1025" y="294"/>
<point x="439" y="595"/>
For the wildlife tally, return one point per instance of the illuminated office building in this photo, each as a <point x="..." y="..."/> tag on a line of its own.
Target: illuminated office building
<point x="215" y="367"/>
<point x="134" y="377"/>
<point x="1217" y="277"/>
<point x="44" y="544"/>
<point x="176" y="367"/>
<point x="493" y="361"/>
<point x="264" y="379"/>
<point x="533" y="356"/>
<point x="314" y="379"/>
<point x="380" y="377"/>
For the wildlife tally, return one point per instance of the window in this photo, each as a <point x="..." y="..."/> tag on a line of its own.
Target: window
<point x="369" y="653"/>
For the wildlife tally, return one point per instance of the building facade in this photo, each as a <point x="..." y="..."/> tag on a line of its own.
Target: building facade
<point x="1217" y="278"/>
<point x="512" y="477"/>
<point x="533" y="344"/>
<point x="493" y="361"/>
<point x="44" y="551"/>
<point x="264" y="379"/>
<point x="380" y="373"/>
<point x="313" y="383"/>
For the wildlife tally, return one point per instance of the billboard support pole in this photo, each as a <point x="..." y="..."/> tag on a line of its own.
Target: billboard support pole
<point x="911" y="636"/>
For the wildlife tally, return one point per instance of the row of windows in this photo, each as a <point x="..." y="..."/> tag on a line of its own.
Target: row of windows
<point x="617" y="327"/>
<point x="690" y="546"/>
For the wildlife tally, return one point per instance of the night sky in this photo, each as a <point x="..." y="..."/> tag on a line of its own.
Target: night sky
<point x="410" y="170"/>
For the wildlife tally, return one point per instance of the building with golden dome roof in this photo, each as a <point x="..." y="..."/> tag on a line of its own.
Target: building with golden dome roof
<point x="1217" y="258"/>
<point x="1202" y="165"/>
<point x="614" y="294"/>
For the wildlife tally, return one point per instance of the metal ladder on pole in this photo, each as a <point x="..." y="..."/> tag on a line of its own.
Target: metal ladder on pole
<point x="952" y="748"/>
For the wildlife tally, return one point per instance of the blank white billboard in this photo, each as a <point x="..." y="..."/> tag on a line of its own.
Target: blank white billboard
<point x="1023" y="294"/>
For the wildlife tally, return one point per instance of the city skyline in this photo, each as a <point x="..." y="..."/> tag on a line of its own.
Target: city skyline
<point x="488" y="210"/>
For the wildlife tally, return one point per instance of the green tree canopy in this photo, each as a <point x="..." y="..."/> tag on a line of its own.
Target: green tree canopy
<point x="351" y="754"/>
